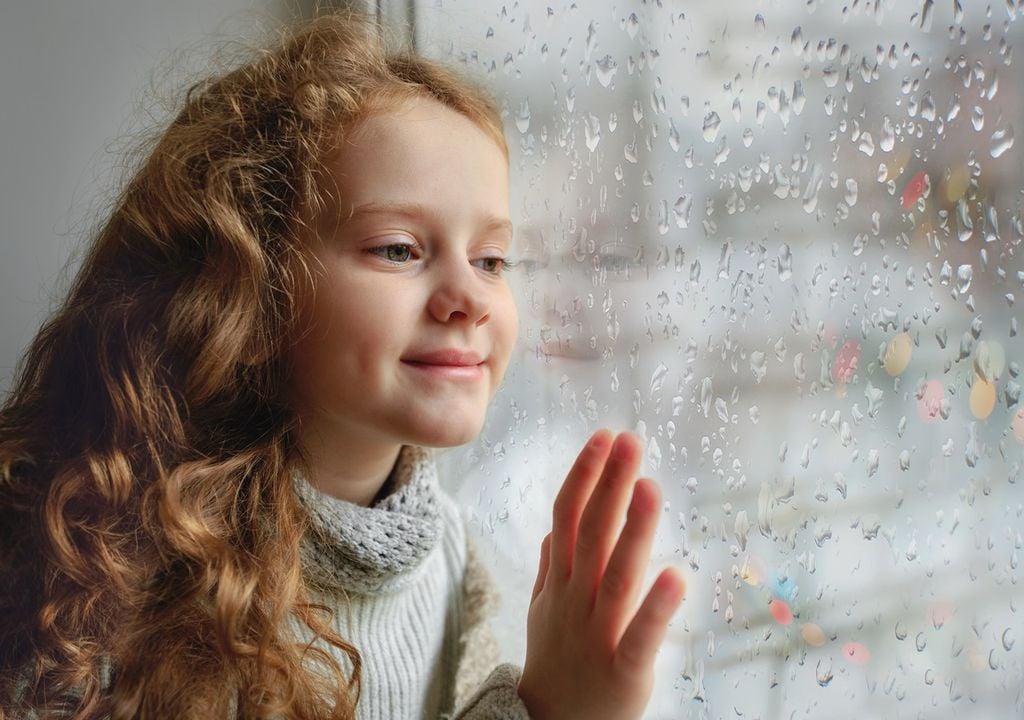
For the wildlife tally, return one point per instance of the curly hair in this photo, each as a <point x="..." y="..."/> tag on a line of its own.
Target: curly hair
<point x="149" y="529"/>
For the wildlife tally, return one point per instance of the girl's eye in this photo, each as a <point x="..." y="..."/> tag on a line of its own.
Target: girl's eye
<point x="495" y="265"/>
<point x="396" y="253"/>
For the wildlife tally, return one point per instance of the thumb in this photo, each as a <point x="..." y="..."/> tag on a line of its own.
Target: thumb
<point x="545" y="562"/>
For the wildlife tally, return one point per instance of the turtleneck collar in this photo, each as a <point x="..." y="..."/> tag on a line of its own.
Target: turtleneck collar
<point x="373" y="550"/>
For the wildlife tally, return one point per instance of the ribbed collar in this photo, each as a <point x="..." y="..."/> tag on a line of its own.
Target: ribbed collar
<point x="373" y="550"/>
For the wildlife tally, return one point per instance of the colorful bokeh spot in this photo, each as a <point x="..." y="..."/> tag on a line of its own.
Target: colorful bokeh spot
<point x="956" y="183"/>
<point x="856" y="653"/>
<point x="897" y="354"/>
<point x="914" y="190"/>
<point x="781" y="612"/>
<point x="983" y="398"/>
<point x="784" y="587"/>
<point x="846" y="360"/>
<point x="929" y="400"/>
<point x="813" y="635"/>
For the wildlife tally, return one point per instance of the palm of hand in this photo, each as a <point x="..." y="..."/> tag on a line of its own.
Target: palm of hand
<point x="589" y="650"/>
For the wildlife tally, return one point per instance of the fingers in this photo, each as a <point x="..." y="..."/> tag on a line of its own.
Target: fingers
<point x="572" y="498"/>
<point x="542" y="571"/>
<point x="620" y="586"/>
<point x="645" y="633"/>
<point x="599" y="526"/>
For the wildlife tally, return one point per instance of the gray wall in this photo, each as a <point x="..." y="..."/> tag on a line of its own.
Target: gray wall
<point x="74" y="77"/>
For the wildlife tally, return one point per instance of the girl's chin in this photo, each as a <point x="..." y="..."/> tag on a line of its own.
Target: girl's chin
<point x="445" y="434"/>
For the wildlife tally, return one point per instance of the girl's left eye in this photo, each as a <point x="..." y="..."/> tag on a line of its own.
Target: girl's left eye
<point x="495" y="265"/>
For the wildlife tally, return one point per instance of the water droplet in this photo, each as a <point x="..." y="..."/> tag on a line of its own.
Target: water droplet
<point x="872" y="462"/>
<point x="796" y="41"/>
<point x="758" y="365"/>
<point x="977" y="118"/>
<point x="523" y="117"/>
<point x="964" y="224"/>
<point x="658" y="379"/>
<point x="929" y="400"/>
<point x="673" y="136"/>
<point x="654" y="453"/>
<point x="1007" y="639"/>
<point x="964" y="275"/>
<point x="785" y="262"/>
<point x="632" y="25"/>
<point x="989" y="360"/>
<point x="606" y="68"/>
<point x="823" y="672"/>
<point x="1002" y="140"/>
<point x="592" y="131"/>
<point x="927" y="108"/>
<point x="904" y="460"/>
<point x="900" y="631"/>
<point x="681" y="210"/>
<point x="851" y="192"/>
<point x="741" y="528"/>
<point x="711" y="124"/>
<point x="867" y="144"/>
<point x="706" y="392"/>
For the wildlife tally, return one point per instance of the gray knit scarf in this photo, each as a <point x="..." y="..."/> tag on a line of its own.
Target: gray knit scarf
<point x="373" y="550"/>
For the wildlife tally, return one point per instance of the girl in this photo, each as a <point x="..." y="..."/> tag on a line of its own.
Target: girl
<point x="216" y="493"/>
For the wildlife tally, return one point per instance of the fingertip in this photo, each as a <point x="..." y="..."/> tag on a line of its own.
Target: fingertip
<point x="672" y="582"/>
<point x="647" y="498"/>
<point x="601" y="439"/>
<point x="626" y="443"/>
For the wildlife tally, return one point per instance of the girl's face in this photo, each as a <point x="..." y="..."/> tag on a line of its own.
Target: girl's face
<point x="408" y="256"/>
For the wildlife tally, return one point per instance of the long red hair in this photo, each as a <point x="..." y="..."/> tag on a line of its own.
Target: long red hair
<point x="149" y="530"/>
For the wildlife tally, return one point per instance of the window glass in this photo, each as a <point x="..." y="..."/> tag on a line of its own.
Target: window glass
<point x="781" y="242"/>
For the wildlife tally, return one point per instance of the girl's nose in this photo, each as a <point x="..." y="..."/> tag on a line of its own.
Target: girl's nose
<point x="458" y="294"/>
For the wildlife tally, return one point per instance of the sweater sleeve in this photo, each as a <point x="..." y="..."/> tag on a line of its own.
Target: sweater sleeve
<point x="497" y="698"/>
<point x="484" y="689"/>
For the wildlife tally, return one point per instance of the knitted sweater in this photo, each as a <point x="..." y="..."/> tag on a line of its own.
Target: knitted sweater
<point x="408" y="590"/>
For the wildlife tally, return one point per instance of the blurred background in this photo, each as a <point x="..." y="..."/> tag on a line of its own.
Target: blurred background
<point x="780" y="241"/>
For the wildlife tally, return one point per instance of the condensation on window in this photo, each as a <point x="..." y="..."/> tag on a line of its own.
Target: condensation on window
<point x="781" y="242"/>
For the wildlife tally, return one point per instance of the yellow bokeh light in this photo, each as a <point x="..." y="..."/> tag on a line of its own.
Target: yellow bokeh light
<point x="956" y="183"/>
<point x="897" y="354"/>
<point x="983" y="398"/>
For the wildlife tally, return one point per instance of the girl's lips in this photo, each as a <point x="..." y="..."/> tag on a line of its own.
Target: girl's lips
<point x="448" y="372"/>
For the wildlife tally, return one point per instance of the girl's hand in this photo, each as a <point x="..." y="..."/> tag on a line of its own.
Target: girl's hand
<point x="589" y="651"/>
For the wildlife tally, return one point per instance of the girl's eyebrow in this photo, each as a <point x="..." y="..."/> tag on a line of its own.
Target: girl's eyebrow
<point x="491" y="223"/>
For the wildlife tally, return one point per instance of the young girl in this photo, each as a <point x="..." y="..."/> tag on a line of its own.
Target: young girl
<point x="217" y="497"/>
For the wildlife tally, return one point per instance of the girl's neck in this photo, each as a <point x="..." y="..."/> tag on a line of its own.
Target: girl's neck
<point x="354" y="470"/>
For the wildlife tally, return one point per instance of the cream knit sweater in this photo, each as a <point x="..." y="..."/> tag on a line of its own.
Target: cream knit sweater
<point x="408" y="590"/>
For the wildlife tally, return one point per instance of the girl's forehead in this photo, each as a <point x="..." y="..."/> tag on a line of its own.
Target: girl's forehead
<point x="418" y="153"/>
